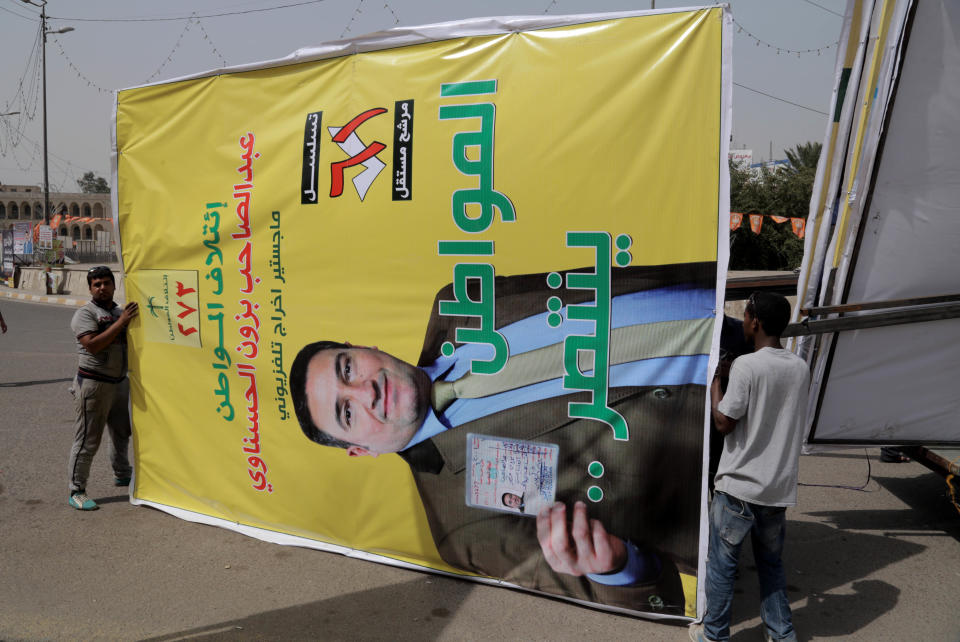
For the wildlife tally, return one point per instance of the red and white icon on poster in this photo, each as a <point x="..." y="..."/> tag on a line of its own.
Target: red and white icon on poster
<point x="360" y="154"/>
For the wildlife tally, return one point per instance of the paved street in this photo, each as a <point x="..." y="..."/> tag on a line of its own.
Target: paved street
<point x="883" y="564"/>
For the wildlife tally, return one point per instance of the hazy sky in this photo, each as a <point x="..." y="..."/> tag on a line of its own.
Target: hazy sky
<point x="86" y="65"/>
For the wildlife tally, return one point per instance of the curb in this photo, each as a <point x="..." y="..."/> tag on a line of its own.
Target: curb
<point x="43" y="298"/>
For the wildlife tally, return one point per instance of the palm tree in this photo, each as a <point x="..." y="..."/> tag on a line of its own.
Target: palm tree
<point x="803" y="156"/>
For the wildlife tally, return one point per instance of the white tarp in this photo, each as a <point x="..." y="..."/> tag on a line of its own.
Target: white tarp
<point x="900" y="238"/>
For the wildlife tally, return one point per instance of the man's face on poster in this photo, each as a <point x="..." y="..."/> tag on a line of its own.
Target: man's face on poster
<point x="511" y="500"/>
<point x="367" y="398"/>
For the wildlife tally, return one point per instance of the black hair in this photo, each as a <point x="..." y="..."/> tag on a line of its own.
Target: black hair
<point x="771" y="310"/>
<point x="99" y="272"/>
<point x="298" y="390"/>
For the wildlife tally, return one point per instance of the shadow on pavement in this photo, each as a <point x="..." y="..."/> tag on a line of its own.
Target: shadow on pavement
<point x="930" y="511"/>
<point x="20" y="384"/>
<point x="419" y="609"/>
<point x="819" y="559"/>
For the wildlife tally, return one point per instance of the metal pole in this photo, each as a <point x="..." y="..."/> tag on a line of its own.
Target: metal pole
<point x="46" y="174"/>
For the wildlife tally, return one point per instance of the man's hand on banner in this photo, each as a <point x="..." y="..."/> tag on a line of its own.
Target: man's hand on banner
<point x="583" y="546"/>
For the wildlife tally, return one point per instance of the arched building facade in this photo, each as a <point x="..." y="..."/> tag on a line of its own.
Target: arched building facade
<point x="77" y="216"/>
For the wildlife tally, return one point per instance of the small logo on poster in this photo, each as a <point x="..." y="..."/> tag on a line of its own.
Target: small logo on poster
<point x="403" y="151"/>
<point x="366" y="156"/>
<point x="311" y="159"/>
<point x="171" y="306"/>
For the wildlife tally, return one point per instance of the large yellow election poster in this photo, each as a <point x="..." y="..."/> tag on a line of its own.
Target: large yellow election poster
<point x="441" y="297"/>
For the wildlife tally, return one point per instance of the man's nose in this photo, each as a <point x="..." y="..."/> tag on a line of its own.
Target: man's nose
<point x="368" y="392"/>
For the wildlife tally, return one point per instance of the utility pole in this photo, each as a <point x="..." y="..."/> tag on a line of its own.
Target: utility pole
<point x="46" y="172"/>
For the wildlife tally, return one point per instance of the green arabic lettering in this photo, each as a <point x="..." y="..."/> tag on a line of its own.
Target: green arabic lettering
<point x="599" y="343"/>
<point x="463" y="305"/>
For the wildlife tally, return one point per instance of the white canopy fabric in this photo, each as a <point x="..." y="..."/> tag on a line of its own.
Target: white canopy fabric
<point x="893" y="223"/>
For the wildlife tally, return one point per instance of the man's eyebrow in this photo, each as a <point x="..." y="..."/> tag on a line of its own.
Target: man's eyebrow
<point x="337" y="404"/>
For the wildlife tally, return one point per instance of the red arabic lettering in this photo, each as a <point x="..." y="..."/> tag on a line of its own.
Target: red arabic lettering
<point x="187" y="310"/>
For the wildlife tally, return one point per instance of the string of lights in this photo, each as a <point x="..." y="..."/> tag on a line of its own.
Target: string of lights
<point x="209" y="40"/>
<point x="785" y="50"/>
<point x="353" y="17"/>
<point x="176" y="46"/>
<point x="188" y="24"/>
<point x="396" y="18"/>
<point x="63" y="166"/>
<point x="76" y="70"/>
<point x="208" y="15"/>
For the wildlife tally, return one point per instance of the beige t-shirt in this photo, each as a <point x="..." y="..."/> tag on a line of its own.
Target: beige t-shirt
<point x="92" y="319"/>
<point x="767" y="394"/>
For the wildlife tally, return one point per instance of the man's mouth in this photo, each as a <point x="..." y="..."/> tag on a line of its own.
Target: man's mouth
<point x="386" y="396"/>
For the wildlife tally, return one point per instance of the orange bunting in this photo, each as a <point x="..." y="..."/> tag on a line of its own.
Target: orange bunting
<point x="799" y="226"/>
<point x="756" y="222"/>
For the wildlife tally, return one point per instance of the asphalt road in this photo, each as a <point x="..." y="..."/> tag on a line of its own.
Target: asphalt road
<point x="879" y="564"/>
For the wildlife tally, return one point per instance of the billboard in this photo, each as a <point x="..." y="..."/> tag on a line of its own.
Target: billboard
<point x="6" y="250"/>
<point x="436" y="298"/>
<point x="22" y="238"/>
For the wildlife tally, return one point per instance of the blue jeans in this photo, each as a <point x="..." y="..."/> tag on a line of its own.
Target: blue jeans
<point x="730" y="521"/>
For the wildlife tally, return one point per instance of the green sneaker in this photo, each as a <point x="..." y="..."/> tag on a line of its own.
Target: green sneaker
<point x="80" y="501"/>
<point x="121" y="481"/>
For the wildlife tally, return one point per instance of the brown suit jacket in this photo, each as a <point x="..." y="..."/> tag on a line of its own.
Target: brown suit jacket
<point x="651" y="482"/>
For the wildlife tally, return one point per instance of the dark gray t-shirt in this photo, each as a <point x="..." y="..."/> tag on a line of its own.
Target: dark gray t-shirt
<point x="767" y="393"/>
<point x="92" y="319"/>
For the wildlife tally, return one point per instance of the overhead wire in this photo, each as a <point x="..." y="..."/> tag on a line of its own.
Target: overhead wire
<point x="18" y="15"/>
<point x="820" y="6"/>
<point x="783" y="100"/>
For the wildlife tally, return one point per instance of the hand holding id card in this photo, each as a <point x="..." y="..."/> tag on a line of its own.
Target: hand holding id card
<point x="510" y="475"/>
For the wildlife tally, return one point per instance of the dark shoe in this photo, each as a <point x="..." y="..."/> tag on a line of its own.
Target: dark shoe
<point x="121" y="481"/>
<point x="891" y="455"/>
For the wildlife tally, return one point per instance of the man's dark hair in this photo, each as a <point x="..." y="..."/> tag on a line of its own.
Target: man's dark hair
<point x="771" y="310"/>
<point x="99" y="272"/>
<point x="298" y="390"/>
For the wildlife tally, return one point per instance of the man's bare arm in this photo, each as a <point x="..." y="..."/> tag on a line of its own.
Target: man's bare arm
<point x="724" y="424"/>
<point x="94" y="343"/>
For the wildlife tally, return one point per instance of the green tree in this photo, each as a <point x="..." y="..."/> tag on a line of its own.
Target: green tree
<point x="803" y="156"/>
<point x="90" y="183"/>
<point x="785" y="192"/>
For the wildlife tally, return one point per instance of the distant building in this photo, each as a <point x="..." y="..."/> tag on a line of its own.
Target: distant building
<point x="741" y="157"/>
<point x="77" y="216"/>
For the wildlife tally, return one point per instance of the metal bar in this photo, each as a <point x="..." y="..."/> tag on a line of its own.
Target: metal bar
<point x="878" y="320"/>
<point x="878" y="305"/>
<point x="743" y="286"/>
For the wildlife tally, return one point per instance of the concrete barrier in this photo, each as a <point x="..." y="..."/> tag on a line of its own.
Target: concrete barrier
<point x="72" y="281"/>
